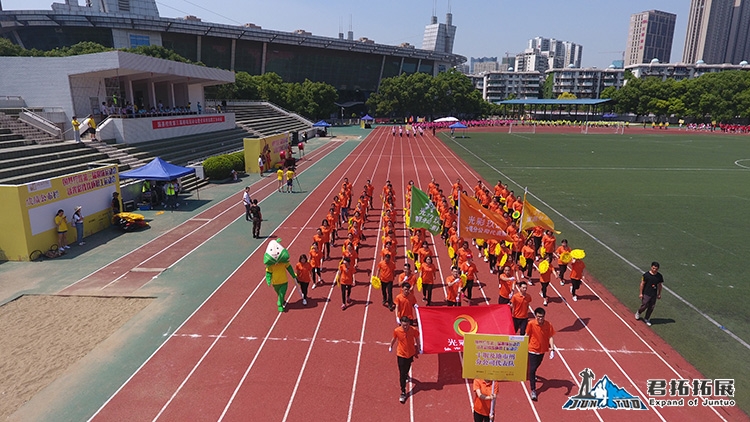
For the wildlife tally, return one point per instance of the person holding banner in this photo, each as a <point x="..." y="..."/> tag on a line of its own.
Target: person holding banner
<point x="485" y="393"/>
<point x="541" y="335"/>
<point x="453" y="282"/>
<point x="506" y="280"/>
<point x="407" y="350"/>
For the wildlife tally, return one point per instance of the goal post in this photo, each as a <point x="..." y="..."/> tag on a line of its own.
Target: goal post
<point x="516" y="128"/>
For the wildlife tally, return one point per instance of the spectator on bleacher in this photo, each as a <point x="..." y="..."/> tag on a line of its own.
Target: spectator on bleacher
<point x="76" y="126"/>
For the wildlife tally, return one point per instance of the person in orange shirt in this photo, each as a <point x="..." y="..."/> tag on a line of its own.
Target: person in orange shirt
<point x="423" y="252"/>
<point x="407" y="276"/>
<point x="346" y="280"/>
<point x="453" y="282"/>
<point x="352" y="254"/>
<point x="427" y="272"/>
<point x="561" y="266"/>
<point x="478" y="189"/>
<point x="537" y="233"/>
<point x="316" y="257"/>
<point x="469" y="268"/>
<point x="529" y="252"/>
<point x="491" y="255"/>
<point x="318" y="238"/>
<point x="463" y="253"/>
<point x="506" y="280"/>
<point x="484" y="394"/>
<point x="405" y="303"/>
<point x="455" y="191"/>
<point x="408" y="348"/>
<point x="327" y="232"/>
<point x="541" y="340"/>
<point x="576" y="274"/>
<point x="386" y="274"/>
<point x="304" y="276"/>
<point x="332" y="217"/>
<point x="519" y="305"/>
<point x="549" y="242"/>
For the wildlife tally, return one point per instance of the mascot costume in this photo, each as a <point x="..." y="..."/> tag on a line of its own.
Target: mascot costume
<point x="277" y="264"/>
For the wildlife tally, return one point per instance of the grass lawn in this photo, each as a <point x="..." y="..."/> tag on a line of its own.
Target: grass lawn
<point x="680" y="199"/>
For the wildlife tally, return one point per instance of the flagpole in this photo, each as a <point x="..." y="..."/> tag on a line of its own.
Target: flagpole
<point x="492" y="404"/>
<point x="523" y="210"/>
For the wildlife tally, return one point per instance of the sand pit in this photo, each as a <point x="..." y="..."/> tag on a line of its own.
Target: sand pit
<point x="43" y="335"/>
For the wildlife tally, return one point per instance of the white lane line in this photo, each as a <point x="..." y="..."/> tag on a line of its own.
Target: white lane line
<point x="615" y="253"/>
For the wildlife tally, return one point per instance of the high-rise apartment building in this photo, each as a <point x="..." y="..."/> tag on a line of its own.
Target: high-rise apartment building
<point x="650" y="37"/>
<point x="483" y="64"/>
<point x="718" y="31"/>
<point x="439" y="36"/>
<point x="557" y="53"/>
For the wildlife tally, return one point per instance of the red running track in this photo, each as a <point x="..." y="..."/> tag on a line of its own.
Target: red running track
<point x="237" y="358"/>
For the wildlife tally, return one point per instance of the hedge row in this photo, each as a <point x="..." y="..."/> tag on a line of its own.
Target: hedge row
<point x="220" y="167"/>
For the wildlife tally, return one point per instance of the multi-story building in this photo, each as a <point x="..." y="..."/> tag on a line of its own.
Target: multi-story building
<point x="439" y="36"/>
<point x="355" y="68"/>
<point x="650" y="37"/>
<point x="558" y="53"/>
<point x="531" y="60"/>
<point x="718" y="31"/>
<point x="680" y="71"/>
<point x="586" y="82"/>
<point x="483" y="64"/>
<point x="502" y="85"/>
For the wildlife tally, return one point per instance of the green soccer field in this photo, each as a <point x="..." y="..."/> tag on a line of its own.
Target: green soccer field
<point x="680" y="199"/>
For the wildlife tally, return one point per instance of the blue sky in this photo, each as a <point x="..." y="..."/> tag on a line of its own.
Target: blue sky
<point x="484" y="28"/>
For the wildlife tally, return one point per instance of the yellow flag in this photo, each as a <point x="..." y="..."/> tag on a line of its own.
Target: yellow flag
<point x="532" y="217"/>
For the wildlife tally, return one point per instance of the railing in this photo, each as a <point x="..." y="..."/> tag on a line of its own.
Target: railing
<point x="39" y="122"/>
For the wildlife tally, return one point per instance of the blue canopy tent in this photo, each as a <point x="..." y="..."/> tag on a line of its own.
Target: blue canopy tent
<point x="366" y="121"/>
<point x="158" y="169"/>
<point x="458" y="125"/>
<point x="325" y="125"/>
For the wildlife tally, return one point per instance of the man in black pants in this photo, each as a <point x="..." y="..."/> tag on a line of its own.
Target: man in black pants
<point x="257" y="218"/>
<point x="247" y="202"/>
<point x="650" y="291"/>
<point x="407" y="350"/>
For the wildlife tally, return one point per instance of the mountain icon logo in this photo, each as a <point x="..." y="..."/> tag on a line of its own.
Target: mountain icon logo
<point x="604" y="394"/>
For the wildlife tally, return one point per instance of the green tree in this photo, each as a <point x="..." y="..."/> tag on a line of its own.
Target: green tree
<point x="549" y="83"/>
<point x="86" y="47"/>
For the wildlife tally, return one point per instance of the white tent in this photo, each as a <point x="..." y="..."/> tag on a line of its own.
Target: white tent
<point x="446" y="119"/>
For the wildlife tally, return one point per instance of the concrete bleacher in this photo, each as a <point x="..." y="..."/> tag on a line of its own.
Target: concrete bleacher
<point x="266" y="120"/>
<point x="26" y="163"/>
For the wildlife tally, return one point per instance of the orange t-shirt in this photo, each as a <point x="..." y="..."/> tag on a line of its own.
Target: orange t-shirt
<point x="482" y="407"/>
<point x="315" y="257"/>
<point x="304" y="272"/>
<point x="506" y="286"/>
<point x="346" y="276"/>
<point x="576" y="269"/>
<point x="326" y="233"/>
<point x="545" y="278"/>
<point x="561" y="250"/>
<point x="412" y="279"/>
<point x="470" y="270"/>
<point x="520" y="305"/>
<point x="539" y="336"/>
<point x="386" y="271"/>
<point x="452" y="289"/>
<point x="549" y="243"/>
<point x="319" y="241"/>
<point x="462" y="254"/>
<point x="428" y="273"/>
<point x="528" y="253"/>
<point x="406" y="345"/>
<point x="353" y="255"/>
<point x="537" y="231"/>
<point x="423" y="253"/>
<point x="405" y="305"/>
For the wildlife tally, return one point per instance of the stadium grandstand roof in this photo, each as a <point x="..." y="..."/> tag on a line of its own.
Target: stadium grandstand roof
<point x="547" y="101"/>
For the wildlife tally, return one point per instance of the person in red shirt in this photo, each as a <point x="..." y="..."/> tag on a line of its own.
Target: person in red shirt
<point x="408" y="348"/>
<point x="386" y="274"/>
<point x="316" y="257"/>
<point x="423" y="252"/>
<point x="484" y="394"/>
<point x="352" y="254"/>
<point x="506" y="280"/>
<point x="304" y="276"/>
<point x="462" y="253"/>
<point x="549" y="242"/>
<point x="427" y="272"/>
<point x="346" y="280"/>
<point x="576" y="274"/>
<point x="541" y="335"/>
<point x="528" y="252"/>
<point x="562" y="266"/>
<point x="405" y="303"/>
<point x="453" y="282"/>
<point x="469" y="268"/>
<point x="519" y="305"/>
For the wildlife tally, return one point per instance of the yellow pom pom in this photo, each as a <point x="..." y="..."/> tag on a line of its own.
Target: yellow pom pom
<point x="375" y="282"/>
<point x="498" y="249"/>
<point x="451" y="252"/>
<point x="417" y="264"/>
<point x="578" y="254"/>
<point x="503" y="260"/>
<point x="463" y="280"/>
<point x="410" y="255"/>
<point x="419" y="284"/>
<point x="522" y="261"/>
<point x="565" y="257"/>
<point x="543" y="267"/>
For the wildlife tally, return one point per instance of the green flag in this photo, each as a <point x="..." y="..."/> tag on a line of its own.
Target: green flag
<point x="423" y="213"/>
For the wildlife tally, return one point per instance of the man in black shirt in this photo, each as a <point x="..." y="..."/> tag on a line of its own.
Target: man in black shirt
<point x="650" y="289"/>
<point x="257" y="218"/>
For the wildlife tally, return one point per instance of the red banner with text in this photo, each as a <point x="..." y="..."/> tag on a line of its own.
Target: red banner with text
<point x="443" y="328"/>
